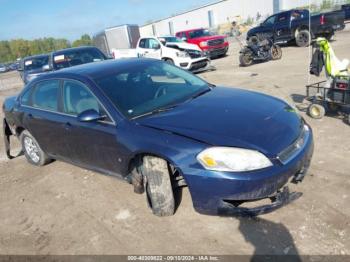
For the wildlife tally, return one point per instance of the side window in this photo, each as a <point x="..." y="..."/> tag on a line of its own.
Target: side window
<point x="282" y="18"/>
<point x="142" y="43"/>
<point x="270" y="20"/>
<point x="77" y="98"/>
<point x="45" y="95"/>
<point x="26" y="98"/>
<point x="152" y="43"/>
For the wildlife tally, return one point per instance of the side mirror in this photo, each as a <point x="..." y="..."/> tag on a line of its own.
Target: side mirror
<point x="90" y="115"/>
<point x="184" y="39"/>
<point x="46" y="68"/>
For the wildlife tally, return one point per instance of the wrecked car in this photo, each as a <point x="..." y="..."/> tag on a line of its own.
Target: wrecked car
<point x="171" y="50"/>
<point x="161" y="128"/>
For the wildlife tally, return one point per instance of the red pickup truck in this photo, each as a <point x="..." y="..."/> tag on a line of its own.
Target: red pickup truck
<point x="214" y="45"/>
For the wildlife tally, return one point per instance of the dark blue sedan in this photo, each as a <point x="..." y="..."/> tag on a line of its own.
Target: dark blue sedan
<point x="160" y="128"/>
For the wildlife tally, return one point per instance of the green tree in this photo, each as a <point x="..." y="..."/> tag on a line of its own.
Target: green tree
<point x="5" y="52"/>
<point x="85" y="40"/>
<point x="20" y="48"/>
<point x="326" y="4"/>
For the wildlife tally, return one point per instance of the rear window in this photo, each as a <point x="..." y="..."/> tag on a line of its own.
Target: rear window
<point x="77" y="57"/>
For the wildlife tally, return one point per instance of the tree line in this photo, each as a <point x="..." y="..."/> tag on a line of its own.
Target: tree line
<point x="19" y="48"/>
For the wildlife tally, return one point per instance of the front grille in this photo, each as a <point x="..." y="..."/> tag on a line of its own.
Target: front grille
<point x="195" y="53"/>
<point x="215" y="42"/>
<point x="199" y="65"/>
<point x="291" y="151"/>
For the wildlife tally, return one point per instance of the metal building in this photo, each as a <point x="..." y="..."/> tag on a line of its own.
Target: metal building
<point x="220" y="12"/>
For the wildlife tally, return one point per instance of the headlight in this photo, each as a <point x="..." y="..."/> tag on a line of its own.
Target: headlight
<point x="232" y="159"/>
<point x="182" y="54"/>
<point x="203" y="44"/>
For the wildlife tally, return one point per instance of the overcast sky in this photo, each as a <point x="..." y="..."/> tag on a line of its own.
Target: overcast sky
<point x="70" y="19"/>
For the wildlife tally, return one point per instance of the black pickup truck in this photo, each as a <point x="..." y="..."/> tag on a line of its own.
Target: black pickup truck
<point x="346" y="9"/>
<point x="296" y="24"/>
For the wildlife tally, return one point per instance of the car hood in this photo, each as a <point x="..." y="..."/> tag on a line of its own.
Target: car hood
<point x="184" y="46"/>
<point x="253" y="31"/>
<point x="232" y="117"/>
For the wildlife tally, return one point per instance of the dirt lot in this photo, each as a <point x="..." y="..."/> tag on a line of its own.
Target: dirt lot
<point x="62" y="209"/>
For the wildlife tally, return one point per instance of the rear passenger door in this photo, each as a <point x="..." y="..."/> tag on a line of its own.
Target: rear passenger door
<point x="42" y="117"/>
<point x="90" y="144"/>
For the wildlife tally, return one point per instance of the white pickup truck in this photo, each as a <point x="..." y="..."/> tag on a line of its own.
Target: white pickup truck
<point x="170" y="49"/>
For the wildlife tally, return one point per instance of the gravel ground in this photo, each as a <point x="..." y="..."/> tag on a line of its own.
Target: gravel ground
<point x="62" y="209"/>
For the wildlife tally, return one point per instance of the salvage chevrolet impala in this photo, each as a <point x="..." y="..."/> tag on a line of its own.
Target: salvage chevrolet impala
<point x="160" y="128"/>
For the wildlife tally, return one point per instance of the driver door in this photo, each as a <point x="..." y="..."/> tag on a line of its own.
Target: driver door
<point x="90" y="144"/>
<point x="267" y="27"/>
<point x="152" y="49"/>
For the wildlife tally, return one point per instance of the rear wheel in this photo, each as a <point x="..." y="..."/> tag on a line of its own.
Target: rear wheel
<point x="159" y="190"/>
<point x="316" y="111"/>
<point x="303" y="38"/>
<point x="32" y="151"/>
<point x="246" y="59"/>
<point x="276" y="52"/>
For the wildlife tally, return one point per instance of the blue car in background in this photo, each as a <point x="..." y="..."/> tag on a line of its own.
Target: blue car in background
<point x="160" y="128"/>
<point x="75" y="56"/>
<point x="33" y="66"/>
<point x="3" y="68"/>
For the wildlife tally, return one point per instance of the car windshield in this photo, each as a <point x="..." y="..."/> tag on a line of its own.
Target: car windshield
<point x="200" y="33"/>
<point x="35" y="63"/>
<point x="77" y="57"/>
<point x="149" y="87"/>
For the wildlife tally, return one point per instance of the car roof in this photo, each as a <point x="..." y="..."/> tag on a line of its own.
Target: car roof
<point x="35" y="56"/>
<point x="96" y="70"/>
<point x="190" y="30"/>
<point x="62" y="51"/>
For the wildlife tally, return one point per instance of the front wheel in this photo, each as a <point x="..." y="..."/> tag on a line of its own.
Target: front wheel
<point x="276" y="52"/>
<point x="32" y="151"/>
<point x="159" y="190"/>
<point x="246" y="59"/>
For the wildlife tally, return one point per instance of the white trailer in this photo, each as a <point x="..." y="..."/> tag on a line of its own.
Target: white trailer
<point x="118" y="37"/>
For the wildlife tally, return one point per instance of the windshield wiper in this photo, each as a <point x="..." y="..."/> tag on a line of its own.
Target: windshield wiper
<point x="200" y="93"/>
<point x="156" y="111"/>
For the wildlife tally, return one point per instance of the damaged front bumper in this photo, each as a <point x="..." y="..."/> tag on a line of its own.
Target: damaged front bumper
<point x="226" y="194"/>
<point x="281" y="198"/>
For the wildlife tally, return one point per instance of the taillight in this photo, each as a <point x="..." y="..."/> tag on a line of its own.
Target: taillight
<point x="342" y="85"/>
<point x="322" y="20"/>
